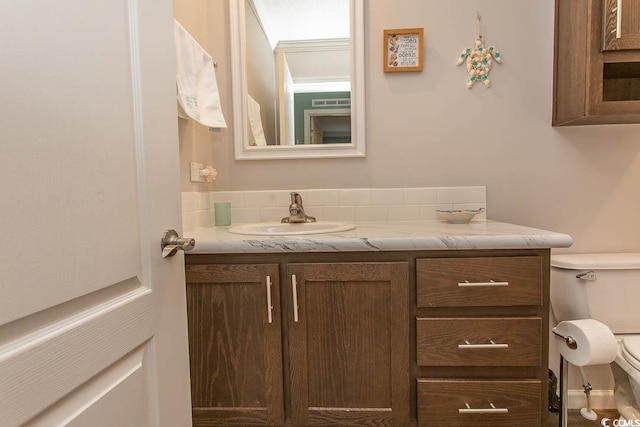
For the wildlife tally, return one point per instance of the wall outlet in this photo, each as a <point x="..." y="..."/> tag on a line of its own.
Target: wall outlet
<point x="195" y="172"/>
<point x="202" y="173"/>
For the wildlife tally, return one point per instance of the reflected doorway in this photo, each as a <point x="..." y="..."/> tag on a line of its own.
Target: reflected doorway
<point x="327" y="126"/>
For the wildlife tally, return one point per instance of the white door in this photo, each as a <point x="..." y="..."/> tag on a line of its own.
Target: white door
<point x="92" y="319"/>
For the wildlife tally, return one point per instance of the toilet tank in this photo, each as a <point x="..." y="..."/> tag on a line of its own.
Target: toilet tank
<point x="609" y="290"/>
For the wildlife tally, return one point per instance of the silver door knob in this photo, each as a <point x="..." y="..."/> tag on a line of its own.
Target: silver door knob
<point x="172" y="243"/>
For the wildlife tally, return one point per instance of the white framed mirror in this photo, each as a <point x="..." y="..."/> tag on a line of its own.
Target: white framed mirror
<point x="278" y="77"/>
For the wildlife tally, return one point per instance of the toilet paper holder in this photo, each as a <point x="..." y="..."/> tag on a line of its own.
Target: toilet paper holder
<point x="568" y="339"/>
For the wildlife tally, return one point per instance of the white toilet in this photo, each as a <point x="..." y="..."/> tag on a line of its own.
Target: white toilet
<point x="605" y="287"/>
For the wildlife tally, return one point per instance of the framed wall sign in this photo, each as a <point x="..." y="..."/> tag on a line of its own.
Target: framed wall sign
<point x="403" y="50"/>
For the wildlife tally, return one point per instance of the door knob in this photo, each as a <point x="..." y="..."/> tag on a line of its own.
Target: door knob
<point x="172" y="243"/>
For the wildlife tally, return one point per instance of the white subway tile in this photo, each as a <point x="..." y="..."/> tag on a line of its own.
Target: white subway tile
<point x="321" y="197"/>
<point x="282" y="198"/>
<point x="203" y="201"/>
<point x="420" y="196"/>
<point x="387" y="196"/>
<point x="244" y="215"/>
<point x="462" y="195"/>
<point x="236" y="198"/>
<point x="189" y="201"/>
<point x="188" y="221"/>
<point x="355" y="197"/>
<point x="260" y="199"/>
<point x="356" y="204"/>
<point x="313" y="210"/>
<point x="317" y="211"/>
<point x="211" y="218"/>
<point x="204" y="218"/>
<point x="272" y="214"/>
<point x="404" y="213"/>
<point x="372" y="213"/>
<point x="210" y="200"/>
<point x="340" y="213"/>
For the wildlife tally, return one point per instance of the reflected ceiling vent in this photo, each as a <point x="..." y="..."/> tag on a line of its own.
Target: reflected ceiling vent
<point x="335" y="102"/>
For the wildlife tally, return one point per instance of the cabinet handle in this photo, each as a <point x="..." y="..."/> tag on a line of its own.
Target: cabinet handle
<point x="618" y="10"/>
<point x="269" y="305"/>
<point x="492" y="410"/>
<point x="490" y="283"/>
<point x="294" y="286"/>
<point x="491" y="344"/>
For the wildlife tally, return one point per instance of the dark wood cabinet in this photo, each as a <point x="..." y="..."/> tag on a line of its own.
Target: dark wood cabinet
<point x="235" y="344"/>
<point x="479" y="341"/>
<point x="479" y="281"/>
<point x="621" y="28"/>
<point x="346" y="348"/>
<point x="479" y="403"/>
<point x="596" y="73"/>
<point x="348" y="344"/>
<point x="482" y="339"/>
<point x="389" y="339"/>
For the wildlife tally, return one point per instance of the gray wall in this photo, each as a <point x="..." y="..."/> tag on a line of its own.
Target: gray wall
<point x="428" y="129"/>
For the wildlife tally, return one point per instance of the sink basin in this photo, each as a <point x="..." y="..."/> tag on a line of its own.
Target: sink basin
<point x="290" y="229"/>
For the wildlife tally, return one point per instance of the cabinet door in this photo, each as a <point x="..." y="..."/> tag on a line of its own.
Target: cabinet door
<point x="348" y="344"/>
<point x="621" y="24"/>
<point x="235" y="344"/>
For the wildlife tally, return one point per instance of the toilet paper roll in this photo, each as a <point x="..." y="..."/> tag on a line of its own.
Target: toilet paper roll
<point x="596" y="344"/>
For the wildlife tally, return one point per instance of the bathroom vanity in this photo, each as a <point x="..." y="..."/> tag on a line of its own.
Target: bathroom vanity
<point x="390" y="324"/>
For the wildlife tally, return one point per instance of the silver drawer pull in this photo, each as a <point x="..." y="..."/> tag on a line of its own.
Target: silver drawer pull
<point x="490" y="283"/>
<point x="619" y="19"/>
<point x="269" y="305"/>
<point x="491" y="344"/>
<point x="294" y="286"/>
<point x="492" y="410"/>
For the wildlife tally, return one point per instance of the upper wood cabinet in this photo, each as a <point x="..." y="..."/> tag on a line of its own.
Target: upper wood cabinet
<point x="596" y="73"/>
<point x="621" y="24"/>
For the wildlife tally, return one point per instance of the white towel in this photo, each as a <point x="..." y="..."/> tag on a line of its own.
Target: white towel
<point x="255" y="121"/>
<point x="196" y="81"/>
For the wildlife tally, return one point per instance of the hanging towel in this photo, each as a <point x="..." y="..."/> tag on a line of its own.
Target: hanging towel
<point x="198" y="96"/>
<point x="255" y="121"/>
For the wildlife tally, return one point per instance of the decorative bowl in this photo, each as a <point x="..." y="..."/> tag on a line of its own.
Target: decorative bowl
<point x="457" y="216"/>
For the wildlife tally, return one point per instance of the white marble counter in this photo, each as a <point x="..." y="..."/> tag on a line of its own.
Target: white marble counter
<point x="385" y="236"/>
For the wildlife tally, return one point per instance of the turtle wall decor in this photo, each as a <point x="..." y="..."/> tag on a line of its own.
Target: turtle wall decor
<point x="479" y="59"/>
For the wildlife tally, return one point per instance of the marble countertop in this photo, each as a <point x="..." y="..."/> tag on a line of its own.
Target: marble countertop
<point x="385" y="236"/>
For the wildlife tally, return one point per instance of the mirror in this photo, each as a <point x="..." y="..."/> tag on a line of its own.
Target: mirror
<point x="283" y="107"/>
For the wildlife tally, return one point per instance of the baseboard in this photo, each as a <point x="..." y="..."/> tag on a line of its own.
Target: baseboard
<point x="600" y="399"/>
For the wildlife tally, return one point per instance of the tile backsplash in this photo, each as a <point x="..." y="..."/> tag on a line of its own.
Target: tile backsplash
<point x="356" y="204"/>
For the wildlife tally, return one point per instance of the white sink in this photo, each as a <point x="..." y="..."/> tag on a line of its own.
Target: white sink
<point x="290" y="229"/>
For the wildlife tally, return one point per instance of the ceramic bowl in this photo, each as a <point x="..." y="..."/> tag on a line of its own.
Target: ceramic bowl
<point x="457" y="216"/>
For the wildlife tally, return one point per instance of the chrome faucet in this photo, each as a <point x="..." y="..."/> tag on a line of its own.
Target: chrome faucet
<point x="296" y="211"/>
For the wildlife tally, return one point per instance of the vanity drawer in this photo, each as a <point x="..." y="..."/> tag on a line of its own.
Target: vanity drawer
<point x="481" y="281"/>
<point x="479" y="341"/>
<point x="476" y="403"/>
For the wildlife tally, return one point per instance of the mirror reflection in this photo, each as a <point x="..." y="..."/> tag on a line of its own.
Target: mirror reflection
<point x="297" y="78"/>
